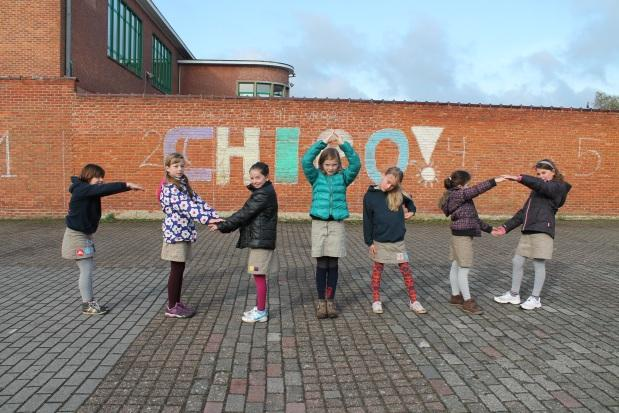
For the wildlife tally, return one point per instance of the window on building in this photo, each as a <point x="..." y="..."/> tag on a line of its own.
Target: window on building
<point x="124" y="36"/>
<point x="262" y="89"/>
<point x="162" y="66"/>
<point x="246" y="89"/>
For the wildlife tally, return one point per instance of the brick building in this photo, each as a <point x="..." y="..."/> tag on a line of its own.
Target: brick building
<point x="123" y="46"/>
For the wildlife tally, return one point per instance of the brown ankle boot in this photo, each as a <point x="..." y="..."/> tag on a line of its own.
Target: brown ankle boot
<point x="456" y="300"/>
<point x="321" y="309"/>
<point x="470" y="306"/>
<point x="331" y="309"/>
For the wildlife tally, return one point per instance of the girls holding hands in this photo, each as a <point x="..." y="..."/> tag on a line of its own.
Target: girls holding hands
<point x="328" y="210"/>
<point x="537" y="217"/>
<point x="457" y="202"/>
<point x="257" y="221"/>
<point x="383" y="232"/>
<point x="181" y="206"/>
<point x="82" y="222"/>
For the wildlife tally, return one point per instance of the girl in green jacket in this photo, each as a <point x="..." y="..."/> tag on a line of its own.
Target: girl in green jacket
<point x="328" y="211"/>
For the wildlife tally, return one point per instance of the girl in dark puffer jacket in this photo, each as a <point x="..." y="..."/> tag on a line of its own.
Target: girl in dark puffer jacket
<point x="257" y="221"/>
<point x="537" y="217"/>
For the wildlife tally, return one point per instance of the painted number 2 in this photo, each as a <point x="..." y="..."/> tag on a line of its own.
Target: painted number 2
<point x="6" y="145"/>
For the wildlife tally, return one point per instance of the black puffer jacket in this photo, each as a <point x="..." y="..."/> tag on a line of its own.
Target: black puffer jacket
<point x="538" y="213"/>
<point x="257" y="219"/>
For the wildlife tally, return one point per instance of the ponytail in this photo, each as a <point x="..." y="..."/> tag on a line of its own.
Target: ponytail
<point x="456" y="179"/>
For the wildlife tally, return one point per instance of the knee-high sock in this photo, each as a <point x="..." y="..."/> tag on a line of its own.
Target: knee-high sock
<point x="332" y="277"/>
<point x="86" y="266"/>
<point x="453" y="278"/>
<point x="409" y="281"/>
<point x="322" y="267"/>
<point x="261" y="291"/>
<point x="175" y="282"/>
<point x="463" y="282"/>
<point x="377" y="272"/>
<point x="517" y="271"/>
<point x="540" y="276"/>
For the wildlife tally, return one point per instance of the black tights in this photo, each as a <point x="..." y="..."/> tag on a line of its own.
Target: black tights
<point x="326" y="276"/>
<point x="175" y="282"/>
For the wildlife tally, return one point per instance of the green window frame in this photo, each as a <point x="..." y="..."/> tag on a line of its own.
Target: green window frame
<point x="162" y="66"/>
<point x="246" y="88"/>
<point x="124" y="36"/>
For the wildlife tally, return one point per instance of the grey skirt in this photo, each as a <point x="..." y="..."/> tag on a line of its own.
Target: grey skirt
<point x="390" y="252"/>
<point x="179" y="251"/>
<point x="77" y="246"/>
<point x="461" y="250"/>
<point x="262" y="261"/>
<point x="328" y="239"/>
<point x="539" y="246"/>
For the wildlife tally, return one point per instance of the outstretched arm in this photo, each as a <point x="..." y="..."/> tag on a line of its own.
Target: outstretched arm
<point x="310" y="171"/>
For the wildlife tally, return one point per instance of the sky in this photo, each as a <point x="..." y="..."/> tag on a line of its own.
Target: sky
<point x="526" y="52"/>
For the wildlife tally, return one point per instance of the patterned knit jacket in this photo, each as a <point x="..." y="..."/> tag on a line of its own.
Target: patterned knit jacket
<point x="460" y="206"/>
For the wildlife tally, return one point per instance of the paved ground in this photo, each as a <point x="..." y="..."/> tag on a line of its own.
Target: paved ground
<point x="561" y="358"/>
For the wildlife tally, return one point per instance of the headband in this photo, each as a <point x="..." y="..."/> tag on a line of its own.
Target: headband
<point x="546" y="163"/>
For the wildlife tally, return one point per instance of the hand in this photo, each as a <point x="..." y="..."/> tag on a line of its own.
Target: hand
<point x="372" y="250"/>
<point x="407" y="213"/>
<point x="215" y="221"/>
<point x="498" y="231"/>
<point x="134" y="187"/>
<point x="499" y="179"/>
<point x="213" y="227"/>
<point x="511" y="177"/>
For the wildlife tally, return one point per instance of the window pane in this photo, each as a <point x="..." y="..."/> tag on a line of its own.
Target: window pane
<point x="263" y="89"/>
<point x="278" y="90"/>
<point x="246" y="89"/>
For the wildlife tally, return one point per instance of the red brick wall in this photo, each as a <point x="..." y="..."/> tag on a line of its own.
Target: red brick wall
<point x="32" y="38"/>
<point x="47" y="123"/>
<point x="98" y="73"/>
<point x="221" y="80"/>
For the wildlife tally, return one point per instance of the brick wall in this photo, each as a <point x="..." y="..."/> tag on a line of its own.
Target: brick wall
<point x="53" y="132"/>
<point x="32" y="38"/>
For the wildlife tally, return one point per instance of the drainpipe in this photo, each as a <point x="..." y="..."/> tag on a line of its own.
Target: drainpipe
<point x="67" y="44"/>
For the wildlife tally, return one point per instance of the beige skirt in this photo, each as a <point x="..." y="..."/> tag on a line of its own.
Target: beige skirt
<point x="328" y="239"/>
<point x="179" y="251"/>
<point x="262" y="261"/>
<point x="76" y="245"/>
<point x="461" y="250"/>
<point x="535" y="246"/>
<point x="390" y="252"/>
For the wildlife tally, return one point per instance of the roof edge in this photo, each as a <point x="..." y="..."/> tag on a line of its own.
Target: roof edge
<point x="160" y="21"/>
<point x="244" y="62"/>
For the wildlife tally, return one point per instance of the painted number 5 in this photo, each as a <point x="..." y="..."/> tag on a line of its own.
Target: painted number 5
<point x="590" y="159"/>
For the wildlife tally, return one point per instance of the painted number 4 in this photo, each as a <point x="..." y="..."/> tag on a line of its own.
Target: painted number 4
<point x="6" y="145"/>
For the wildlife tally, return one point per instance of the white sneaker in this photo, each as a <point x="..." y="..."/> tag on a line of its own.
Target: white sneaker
<point x="532" y="303"/>
<point x="256" y="316"/>
<point x="417" y="307"/>
<point x="377" y="307"/>
<point x="248" y="312"/>
<point x="508" y="298"/>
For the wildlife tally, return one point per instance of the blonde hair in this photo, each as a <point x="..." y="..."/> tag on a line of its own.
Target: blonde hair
<point x="170" y="160"/>
<point x="395" y="197"/>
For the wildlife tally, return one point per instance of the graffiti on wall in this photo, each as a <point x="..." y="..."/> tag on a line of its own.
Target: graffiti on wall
<point x="287" y="140"/>
<point x="5" y="146"/>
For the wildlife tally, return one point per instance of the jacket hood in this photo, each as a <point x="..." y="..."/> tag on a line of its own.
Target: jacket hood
<point x="567" y="187"/>
<point x="75" y="181"/>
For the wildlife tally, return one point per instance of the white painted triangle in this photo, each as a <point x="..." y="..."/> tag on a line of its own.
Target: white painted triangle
<point x="427" y="137"/>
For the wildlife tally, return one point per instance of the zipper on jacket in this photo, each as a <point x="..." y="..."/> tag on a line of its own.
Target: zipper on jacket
<point x="526" y="214"/>
<point x="330" y="196"/>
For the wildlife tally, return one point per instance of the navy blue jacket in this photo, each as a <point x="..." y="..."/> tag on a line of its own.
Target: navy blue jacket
<point x="379" y="222"/>
<point x="538" y="213"/>
<point x="85" y="205"/>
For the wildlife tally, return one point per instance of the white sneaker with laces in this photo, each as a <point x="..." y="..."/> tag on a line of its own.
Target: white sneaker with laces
<point x="256" y="316"/>
<point x="248" y="312"/>
<point x="532" y="303"/>
<point x="377" y="307"/>
<point x="417" y="307"/>
<point x="508" y="298"/>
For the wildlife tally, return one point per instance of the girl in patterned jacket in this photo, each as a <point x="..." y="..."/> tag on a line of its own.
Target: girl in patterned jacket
<point x="181" y="206"/>
<point x="457" y="202"/>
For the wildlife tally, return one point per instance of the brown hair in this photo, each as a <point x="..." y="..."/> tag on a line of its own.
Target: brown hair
<point x="549" y="165"/>
<point x="171" y="159"/>
<point x="328" y="155"/>
<point x="454" y="180"/>
<point x="91" y="171"/>
<point x="395" y="197"/>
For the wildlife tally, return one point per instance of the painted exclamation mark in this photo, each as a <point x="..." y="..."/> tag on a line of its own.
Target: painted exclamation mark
<point x="427" y="137"/>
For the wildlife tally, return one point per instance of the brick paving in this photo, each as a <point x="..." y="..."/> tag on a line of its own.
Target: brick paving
<point x="561" y="358"/>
